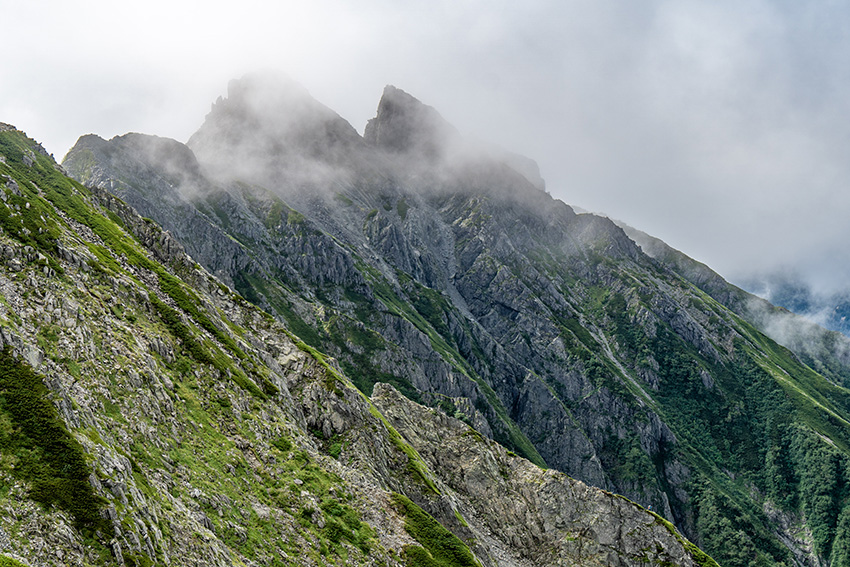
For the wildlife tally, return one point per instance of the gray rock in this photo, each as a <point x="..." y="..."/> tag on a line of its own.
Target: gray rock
<point x="116" y="552"/>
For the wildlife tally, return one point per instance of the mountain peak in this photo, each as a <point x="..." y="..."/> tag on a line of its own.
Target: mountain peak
<point x="403" y="124"/>
<point x="270" y="118"/>
<point x="264" y="93"/>
<point x="269" y="104"/>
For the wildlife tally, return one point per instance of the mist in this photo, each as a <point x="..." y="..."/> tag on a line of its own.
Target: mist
<point x="719" y="127"/>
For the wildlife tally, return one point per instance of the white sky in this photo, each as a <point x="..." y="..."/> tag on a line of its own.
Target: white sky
<point x="719" y="126"/>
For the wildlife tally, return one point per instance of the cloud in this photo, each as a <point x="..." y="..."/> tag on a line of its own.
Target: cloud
<point x="718" y="126"/>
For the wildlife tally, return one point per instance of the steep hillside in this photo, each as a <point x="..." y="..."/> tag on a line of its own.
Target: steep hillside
<point x="420" y="260"/>
<point x="150" y="416"/>
<point x="826" y="351"/>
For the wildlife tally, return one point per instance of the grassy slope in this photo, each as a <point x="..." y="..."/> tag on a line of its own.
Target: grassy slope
<point x="38" y="449"/>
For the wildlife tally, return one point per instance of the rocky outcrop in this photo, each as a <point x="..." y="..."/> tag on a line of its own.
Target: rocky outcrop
<point x="406" y="126"/>
<point x="269" y="118"/>
<point x="535" y="521"/>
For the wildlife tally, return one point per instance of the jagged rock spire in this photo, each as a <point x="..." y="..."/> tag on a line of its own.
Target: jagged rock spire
<point x="405" y="125"/>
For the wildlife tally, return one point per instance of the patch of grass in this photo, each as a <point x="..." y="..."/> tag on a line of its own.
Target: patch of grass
<point x="282" y="444"/>
<point x="415" y="466"/>
<point x="432" y="306"/>
<point x="202" y="354"/>
<point x="332" y="378"/>
<point x="249" y="285"/>
<point x="26" y="217"/>
<point x="343" y="199"/>
<point x="402" y="207"/>
<point x="342" y="523"/>
<point x="188" y="302"/>
<point x="171" y="319"/>
<point x="440" y="547"/>
<point x="572" y="324"/>
<point x="701" y="558"/>
<point x="515" y="439"/>
<point x="46" y="455"/>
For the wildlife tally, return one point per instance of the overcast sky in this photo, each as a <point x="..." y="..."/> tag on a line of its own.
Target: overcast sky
<point x="719" y="126"/>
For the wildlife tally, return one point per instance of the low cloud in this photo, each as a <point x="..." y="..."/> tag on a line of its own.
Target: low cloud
<point x="719" y="127"/>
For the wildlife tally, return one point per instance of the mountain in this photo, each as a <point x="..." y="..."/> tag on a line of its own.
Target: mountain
<point x="416" y="258"/>
<point x="826" y="351"/>
<point x="151" y="416"/>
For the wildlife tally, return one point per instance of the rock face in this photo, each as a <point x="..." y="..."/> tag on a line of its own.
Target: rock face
<point x="535" y="520"/>
<point x="273" y="121"/>
<point x="406" y="126"/>
<point x="417" y="259"/>
<point x="150" y="416"/>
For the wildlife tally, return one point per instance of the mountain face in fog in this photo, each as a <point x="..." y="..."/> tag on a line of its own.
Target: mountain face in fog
<point x="417" y="258"/>
<point x="405" y="125"/>
<point x="270" y="130"/>
<point x="151" y="416"/>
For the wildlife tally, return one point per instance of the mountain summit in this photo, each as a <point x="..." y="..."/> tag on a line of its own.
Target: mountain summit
<point x="405" y="125"/>
<point x="270" y="129"/>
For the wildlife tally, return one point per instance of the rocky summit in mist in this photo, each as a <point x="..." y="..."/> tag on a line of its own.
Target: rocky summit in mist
<point x="284" y="343"/>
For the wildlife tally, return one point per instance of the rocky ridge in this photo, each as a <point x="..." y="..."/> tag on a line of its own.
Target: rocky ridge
<point x="195" y="430"/>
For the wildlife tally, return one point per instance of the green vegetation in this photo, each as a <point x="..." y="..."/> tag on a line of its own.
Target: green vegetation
<point x="758" y="421"/>
<point x="250" y="285"/>
<point x="71" y="197"/>
<point x="402" y="207"/>
<point x="432" y="306"/>
<point x="343" y="199"/>
<point x="701" y="558"/>
<point x="9" y="562"/>
<point x="218" y="468"/>
<point x="755" y="420"/>
<point x="201" y="354"/>
<point x="764" y="417"/>
<point x="342" y="523"/>
<point x="440" y="547"/>
<point x="358" y="365"/>
<point x="172" y="321"/>
<point x="189" y="302"/>
<point x="39" y="448"/>
<point x="275" y="214"/>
